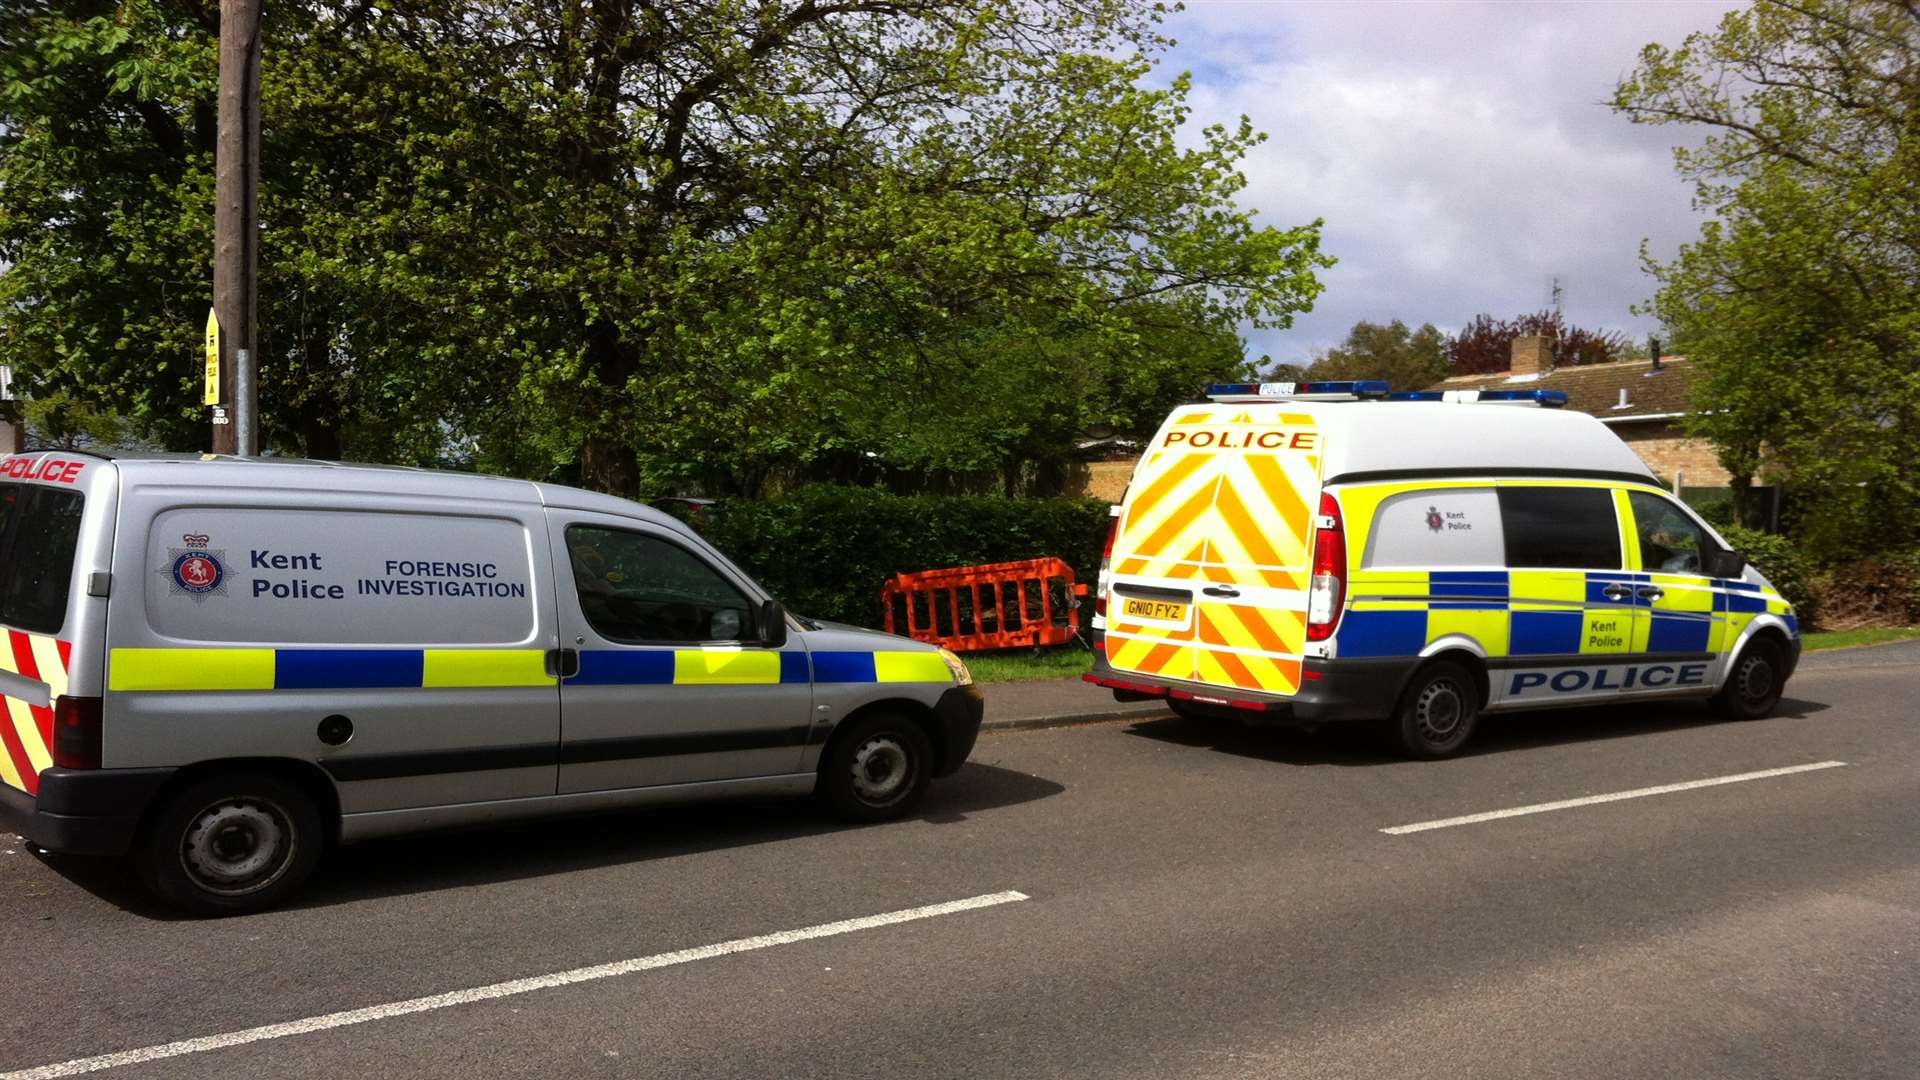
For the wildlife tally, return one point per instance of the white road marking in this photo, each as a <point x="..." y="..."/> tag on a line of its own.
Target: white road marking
<point x="503" y="989"/>
<point x="1567" y="804"/>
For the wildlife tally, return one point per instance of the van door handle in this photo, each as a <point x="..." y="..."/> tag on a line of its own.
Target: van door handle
<point x="1221" y="590"/>
<point x="563" y="663"/>
<point x="1651" y="592"/>
<point x="1616" y="592"/>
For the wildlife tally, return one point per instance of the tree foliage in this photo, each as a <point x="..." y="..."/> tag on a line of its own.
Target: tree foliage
<point x="716" y="243"/>
<point x="1800" y="294"/>
<point x="1409" y="359"/>
<point x="1485" y="345"/>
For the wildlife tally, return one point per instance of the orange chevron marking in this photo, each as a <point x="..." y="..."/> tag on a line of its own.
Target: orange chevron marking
<point x="1161" y="655"/>
<point x="1239" y="520"/>
<point x="1163" y="484"/>
<point x="1235" y="670"/>
<point x="1177" y="522"/>
<point x="1252" y="620"/>
<point x="1281" y="495"/>
<point x="1189" y="566"/>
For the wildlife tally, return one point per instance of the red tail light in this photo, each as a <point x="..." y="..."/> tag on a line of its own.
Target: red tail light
<point x="1327" y="593"/>
<point x="1106" y="557"/>
<point x="76" y="732"/>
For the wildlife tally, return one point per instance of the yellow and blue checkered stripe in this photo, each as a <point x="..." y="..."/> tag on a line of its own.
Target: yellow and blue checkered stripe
<point x="400" y="669"/>
<point x="684" y="667"/>
<point x="1546" y="612"/>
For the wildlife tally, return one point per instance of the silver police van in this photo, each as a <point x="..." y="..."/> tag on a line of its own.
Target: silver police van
<point x="219" y="667"/>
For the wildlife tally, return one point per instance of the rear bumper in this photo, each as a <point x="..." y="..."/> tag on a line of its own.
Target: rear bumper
<point x="83" y="811"/>
<point x="1331" y="691"/>
<point x="960" y="711"/>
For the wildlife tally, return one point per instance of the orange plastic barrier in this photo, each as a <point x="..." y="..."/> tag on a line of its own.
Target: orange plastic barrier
<point x="997" y="606"/>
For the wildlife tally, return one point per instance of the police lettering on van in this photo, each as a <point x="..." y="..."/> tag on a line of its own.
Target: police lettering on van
<point x="1322" y="552"/>
<point x="298" y="654"/>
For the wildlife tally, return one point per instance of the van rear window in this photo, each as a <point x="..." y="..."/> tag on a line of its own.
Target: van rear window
<point x="39" y="532"/>
<point x="1563" y="528"/>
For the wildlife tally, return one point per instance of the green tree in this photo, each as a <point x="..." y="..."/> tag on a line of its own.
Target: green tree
<point x="641" y="245"/>
<point x="1408" y="359"/>
<point x="1800" y="294"/>
<point x="62" y="423"/>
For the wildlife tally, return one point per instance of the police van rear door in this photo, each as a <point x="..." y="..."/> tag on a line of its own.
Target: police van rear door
<point x="43" y="502"/>
<point x="1210" y="565"/>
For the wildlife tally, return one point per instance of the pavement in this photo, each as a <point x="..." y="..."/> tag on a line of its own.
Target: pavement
<point x="1141" y="898"/>
<point x="1053" y="702"/>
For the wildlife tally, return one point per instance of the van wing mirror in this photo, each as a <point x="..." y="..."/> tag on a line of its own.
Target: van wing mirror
<point x="773" y="624"/>
<point x="1726" y="564"/>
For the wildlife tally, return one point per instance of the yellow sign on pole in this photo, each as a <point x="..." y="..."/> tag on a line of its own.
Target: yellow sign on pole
<point x="212" y="396"/>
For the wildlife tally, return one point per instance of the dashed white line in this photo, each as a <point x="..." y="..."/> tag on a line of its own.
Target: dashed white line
<point x="503" y="989"/>
<point x="1590" y="800"/>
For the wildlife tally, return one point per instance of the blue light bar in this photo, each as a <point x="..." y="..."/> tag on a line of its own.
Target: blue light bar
<point x="1296" y="391"/>
<point x="1551" y="399"/>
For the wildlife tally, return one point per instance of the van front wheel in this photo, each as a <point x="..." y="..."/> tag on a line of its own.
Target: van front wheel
<point x="1754" y="685"/>
<point x="1437" y="714"/>
<point x="230" y="844"/>
<point x="876" y="769"/>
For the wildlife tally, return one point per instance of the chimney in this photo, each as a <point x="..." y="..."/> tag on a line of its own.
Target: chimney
<point x="1532" y="355"/>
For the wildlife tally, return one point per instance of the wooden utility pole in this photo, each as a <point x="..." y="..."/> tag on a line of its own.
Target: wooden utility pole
<point x="236" y="232"/>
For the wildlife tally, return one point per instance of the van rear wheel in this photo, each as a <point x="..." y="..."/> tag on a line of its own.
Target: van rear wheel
<point x="230" y="844"/>
<point x="1438" y="711"/>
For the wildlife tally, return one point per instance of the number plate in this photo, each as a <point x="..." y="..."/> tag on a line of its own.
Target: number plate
<point x="1172" y="612"/>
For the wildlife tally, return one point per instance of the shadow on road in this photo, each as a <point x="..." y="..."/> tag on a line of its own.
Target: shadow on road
<point x="1362" y="745"/>
<point x="447" y="860"/>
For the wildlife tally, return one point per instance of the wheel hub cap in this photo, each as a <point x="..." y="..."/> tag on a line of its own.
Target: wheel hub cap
<point x="880" y="769"/>
<point x="235" y="847"/>
<point x="1439" y="712"/>
<point x="1756" y="679"/>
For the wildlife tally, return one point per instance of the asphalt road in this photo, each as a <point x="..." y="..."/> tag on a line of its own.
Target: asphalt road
<point x="1201" y="902"/>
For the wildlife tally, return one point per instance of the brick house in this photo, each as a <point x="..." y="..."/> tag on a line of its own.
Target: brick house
<point x="1643" y="401"/>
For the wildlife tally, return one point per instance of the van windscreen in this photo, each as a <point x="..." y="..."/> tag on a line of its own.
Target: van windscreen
<point x="39" y="532"/>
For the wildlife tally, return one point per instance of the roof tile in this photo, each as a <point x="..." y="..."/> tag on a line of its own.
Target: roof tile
<point x="1595" y="388"/>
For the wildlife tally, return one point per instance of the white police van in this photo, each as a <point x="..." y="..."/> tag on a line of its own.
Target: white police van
<point x="221" y="666"/>
<point x="1331" y="551"/>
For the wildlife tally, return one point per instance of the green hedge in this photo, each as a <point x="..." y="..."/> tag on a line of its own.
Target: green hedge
<point x="1790" y="571"/>
<point x="826" y="551"/>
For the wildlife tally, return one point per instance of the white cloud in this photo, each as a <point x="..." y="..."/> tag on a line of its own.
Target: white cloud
<point x="1461" y="153"/>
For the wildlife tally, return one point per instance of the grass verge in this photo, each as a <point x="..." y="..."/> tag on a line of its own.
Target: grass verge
<point x="1840" y="639"/>
<point x="1026" y="665"/>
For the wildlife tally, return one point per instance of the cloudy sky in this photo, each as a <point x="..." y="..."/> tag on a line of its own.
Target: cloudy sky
<point x="1461" y="153"/>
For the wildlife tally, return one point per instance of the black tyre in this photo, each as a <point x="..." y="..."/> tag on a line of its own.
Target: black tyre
<point x="876" y="769"/>
<point x="230" y="844"/>
<point x="1438" y="711"/>
<point x="1755" y="683"/>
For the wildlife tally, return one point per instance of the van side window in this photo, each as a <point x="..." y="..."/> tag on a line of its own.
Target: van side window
<point x="1439" y="527"/>
<point x="643" y="589"/>
<point x="39" y="535"/>
<point x="1669" y="539"/>
<point x="1566" y="528"/>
